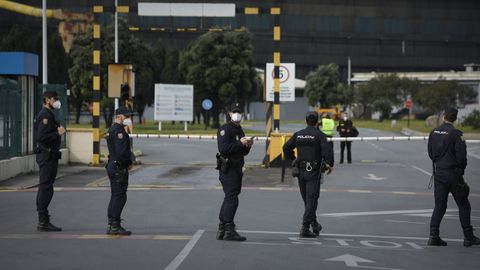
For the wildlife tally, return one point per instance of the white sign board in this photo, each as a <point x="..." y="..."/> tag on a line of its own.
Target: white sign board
<point x="173" y="102"/>
<point x="287" y="82"/>
<point x="186" y="9"/>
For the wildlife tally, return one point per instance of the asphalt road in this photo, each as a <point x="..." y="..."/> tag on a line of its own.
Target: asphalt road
<point x="375" y="213"/>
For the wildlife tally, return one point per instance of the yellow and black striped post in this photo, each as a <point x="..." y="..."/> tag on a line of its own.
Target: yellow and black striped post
<point x="275" y="12"/>
<point x="97" y="10"/>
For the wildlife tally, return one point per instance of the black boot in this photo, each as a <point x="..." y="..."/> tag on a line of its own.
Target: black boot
<point x="115" y="227"/>
<point x="435" y="239"/>
<point x="221" y="231"/>
<point x="316" y="227"/>
<point x="470" y="238"/>
<point x="231" y="233"/>
<point x="305" y="231"/>
<point x="44" y="224"/>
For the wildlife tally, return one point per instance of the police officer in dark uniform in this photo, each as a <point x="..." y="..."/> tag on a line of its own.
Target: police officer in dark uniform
<point x="48" y="139"/>
<point x="344" y="128"/>
<point x="448" y="152"/>
<point x="315" y="155"/>
<point x="119" y="163"/>
<point x="232" y="147"/>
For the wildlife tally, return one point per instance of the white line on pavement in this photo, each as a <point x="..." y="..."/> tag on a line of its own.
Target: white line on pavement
<point x="377" y="213"/>
<point x="404" y="221"/>
<point x="473" y="155"/>
<point x="353" y="235"/>
<point x="421" y="170"/>
<point x="186" y="250"/>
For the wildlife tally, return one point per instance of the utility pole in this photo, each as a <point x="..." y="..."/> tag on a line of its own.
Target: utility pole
<point x="44" y="43"/>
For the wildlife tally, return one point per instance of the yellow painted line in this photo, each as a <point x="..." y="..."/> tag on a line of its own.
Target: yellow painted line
<point x="60" y="236"/>
<point x="172" y="237"/>
<point x="359" y="191"/>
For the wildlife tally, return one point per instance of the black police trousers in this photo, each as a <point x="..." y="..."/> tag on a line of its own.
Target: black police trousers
<point x="47" y="173"/>
<point x="118" y="186"/>
<point x="232" y="186"/>
<point x="309" y="183"/>
<point x="349" y="151"/>
<point x="445" y="182"/>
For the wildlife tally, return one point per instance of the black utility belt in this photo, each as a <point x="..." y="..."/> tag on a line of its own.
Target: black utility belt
<point x="48" y="153"/>
<point x="309" y="165"/>
<point x="118" y="164"/>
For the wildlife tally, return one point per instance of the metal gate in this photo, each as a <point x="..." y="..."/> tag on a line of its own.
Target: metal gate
<point x="10" y="118"/>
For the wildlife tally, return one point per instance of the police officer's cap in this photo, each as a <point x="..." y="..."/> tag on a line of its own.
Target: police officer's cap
<point x="451" y="113"/>
<point x="123" y="111"/>
<point x="236" y="108"/>
<point x="311" y="116"/>
<point x="50" y="94"/>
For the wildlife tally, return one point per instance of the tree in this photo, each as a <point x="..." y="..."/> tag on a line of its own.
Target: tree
<point x="81" y="70"/>
<point x="384" y="92"/>
<point x="220" y="66"/>
<point x="323" y="87"/>
<point x="438" y="96"/>
<point x="131" y="50"/>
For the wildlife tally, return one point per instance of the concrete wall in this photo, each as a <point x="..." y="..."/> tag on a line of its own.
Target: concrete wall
<point x="21" y="165"/>
<point x="80" y="145"/>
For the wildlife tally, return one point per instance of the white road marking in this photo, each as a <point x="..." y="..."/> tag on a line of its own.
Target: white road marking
<point x="403" y="221"/>
<point x="353" y="235"/>
<point x="372" y="176"/>
<point x="473" y="155"/>
<point x="186" y="250"/>
<point x="378" y="213"/>
<point x="421" y="170"/>
<point x="352" y="261"/>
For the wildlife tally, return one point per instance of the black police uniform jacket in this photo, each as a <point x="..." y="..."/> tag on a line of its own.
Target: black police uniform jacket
<point x="447" y="149"/>
<point x="47" y="137"/>
<point x="345" y="128"/>
<point x="229" y="145"/>
<point x="119" y="145"/>
<point x="311" y="144"/>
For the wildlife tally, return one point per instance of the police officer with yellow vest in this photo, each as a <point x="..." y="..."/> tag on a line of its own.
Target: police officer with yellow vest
<point x="328" y="127"/>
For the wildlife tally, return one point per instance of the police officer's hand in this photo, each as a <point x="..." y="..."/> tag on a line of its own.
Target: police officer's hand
<point x="61" y="130"/>
<point x="130" y="167"/>
<point x="244" y="141"/>
<point x="329" y="169"/>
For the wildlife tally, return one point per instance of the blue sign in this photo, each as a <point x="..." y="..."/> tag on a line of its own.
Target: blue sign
<point x="207" y="104"/>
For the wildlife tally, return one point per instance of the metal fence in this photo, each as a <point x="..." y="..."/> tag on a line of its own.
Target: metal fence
<point x="10" y="118"/>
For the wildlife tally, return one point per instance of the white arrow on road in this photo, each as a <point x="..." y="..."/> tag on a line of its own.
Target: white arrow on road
<point x="372" y="176"/>
<point x="352" y="261"/>
<point x="349" y="260"/>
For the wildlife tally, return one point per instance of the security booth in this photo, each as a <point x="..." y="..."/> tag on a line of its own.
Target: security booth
<point x="18" y="85"/>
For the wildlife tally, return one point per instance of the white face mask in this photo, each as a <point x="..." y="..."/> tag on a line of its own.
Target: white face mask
<point x="345" y="118"/>
<point x="237" y="117"/>
<point x="127" y="122"/>
<point x="57" y="104"/>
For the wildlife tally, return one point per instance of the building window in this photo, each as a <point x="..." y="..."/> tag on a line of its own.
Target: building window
<point x="258" y="22"/>
<point x="327" y="24"/>
<point x="185" y="22"/>
<point x="229" y="23"/>
<point x="296" y="23"/>
<point x="395" y="25"/>
<point x="365" y="25"/>
<point x="432" y="26"/>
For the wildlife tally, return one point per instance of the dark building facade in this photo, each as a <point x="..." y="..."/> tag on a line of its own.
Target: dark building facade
<point x="378" y="35"/>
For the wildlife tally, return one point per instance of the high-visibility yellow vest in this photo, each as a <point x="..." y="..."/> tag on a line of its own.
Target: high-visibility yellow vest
<point x="328" y="126"/>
